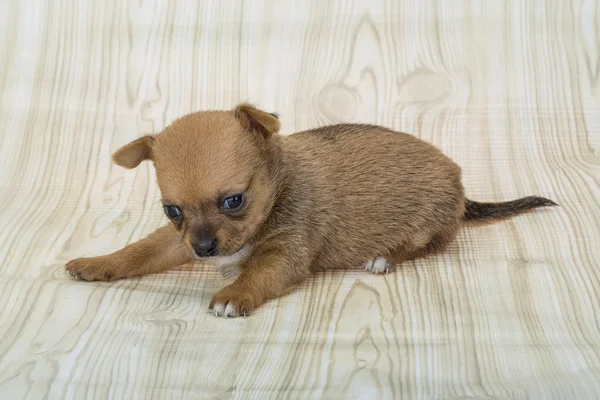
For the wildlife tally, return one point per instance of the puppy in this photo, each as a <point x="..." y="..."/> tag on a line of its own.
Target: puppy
<point x="273" y="209"/>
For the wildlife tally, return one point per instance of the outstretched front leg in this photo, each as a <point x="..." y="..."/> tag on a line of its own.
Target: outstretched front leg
<point x="264" y="276"/>
<point x="161" y="250"/>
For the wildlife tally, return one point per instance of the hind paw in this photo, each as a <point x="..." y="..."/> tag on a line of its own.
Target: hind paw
<point x="380" y="265"/>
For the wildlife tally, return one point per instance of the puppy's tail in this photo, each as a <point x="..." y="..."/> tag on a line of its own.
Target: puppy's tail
<point x="475" y="211"/>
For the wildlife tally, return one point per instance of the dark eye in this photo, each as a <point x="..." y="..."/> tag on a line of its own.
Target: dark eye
<point x="234" y="202"/>
<point x="173" y="212"/>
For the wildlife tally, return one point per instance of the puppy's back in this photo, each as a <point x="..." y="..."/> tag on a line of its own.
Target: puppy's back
<point x="367" y="181"/>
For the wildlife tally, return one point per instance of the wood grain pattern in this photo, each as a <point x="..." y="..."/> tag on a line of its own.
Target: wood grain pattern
<point x="509" y="89"/>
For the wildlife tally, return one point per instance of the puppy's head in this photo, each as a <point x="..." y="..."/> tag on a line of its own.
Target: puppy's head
<point x="215" y="173"/>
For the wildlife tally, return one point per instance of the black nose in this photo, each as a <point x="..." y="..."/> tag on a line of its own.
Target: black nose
<point x="206" y="247"/>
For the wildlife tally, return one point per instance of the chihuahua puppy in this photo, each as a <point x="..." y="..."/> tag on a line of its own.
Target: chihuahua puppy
<point x="273" y="209"/>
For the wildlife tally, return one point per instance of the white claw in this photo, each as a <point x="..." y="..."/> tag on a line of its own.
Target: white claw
<point x="219" y="309"/>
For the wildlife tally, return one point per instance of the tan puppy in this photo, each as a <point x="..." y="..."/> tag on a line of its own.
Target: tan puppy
<point x="273" y="209"/>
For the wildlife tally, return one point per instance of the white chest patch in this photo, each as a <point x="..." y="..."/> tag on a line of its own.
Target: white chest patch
<point x="229" y="266"/>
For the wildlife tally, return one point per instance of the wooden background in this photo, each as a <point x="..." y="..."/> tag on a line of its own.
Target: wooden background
<point x="508" y="89"/>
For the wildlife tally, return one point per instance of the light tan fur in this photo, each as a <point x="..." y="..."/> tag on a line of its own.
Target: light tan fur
<point x="333" y="197"/>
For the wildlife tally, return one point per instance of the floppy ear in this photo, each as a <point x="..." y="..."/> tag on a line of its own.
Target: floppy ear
<point x="257" y="120"/>
<point x="132" y="154"/>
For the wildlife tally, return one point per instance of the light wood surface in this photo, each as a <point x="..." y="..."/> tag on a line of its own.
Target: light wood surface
<point x="508" y="89"/>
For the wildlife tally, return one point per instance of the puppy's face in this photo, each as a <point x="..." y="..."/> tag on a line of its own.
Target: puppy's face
<point x="214" y="174"/>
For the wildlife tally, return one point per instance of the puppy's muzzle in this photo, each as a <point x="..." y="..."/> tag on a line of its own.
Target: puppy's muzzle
<point x="205" y="247"/>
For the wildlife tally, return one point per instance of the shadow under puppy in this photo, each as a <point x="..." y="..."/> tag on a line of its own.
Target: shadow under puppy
<point x="273" y="209"/>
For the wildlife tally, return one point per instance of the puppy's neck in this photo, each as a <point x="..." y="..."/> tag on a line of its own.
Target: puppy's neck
<point x="277" y="166"/>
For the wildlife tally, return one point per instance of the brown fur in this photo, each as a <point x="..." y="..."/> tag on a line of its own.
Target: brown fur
<point x="331" y="197"/>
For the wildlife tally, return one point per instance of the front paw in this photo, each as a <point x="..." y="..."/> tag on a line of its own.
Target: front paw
<point x="92" y="269"/>
<point x="231" y="302"/>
